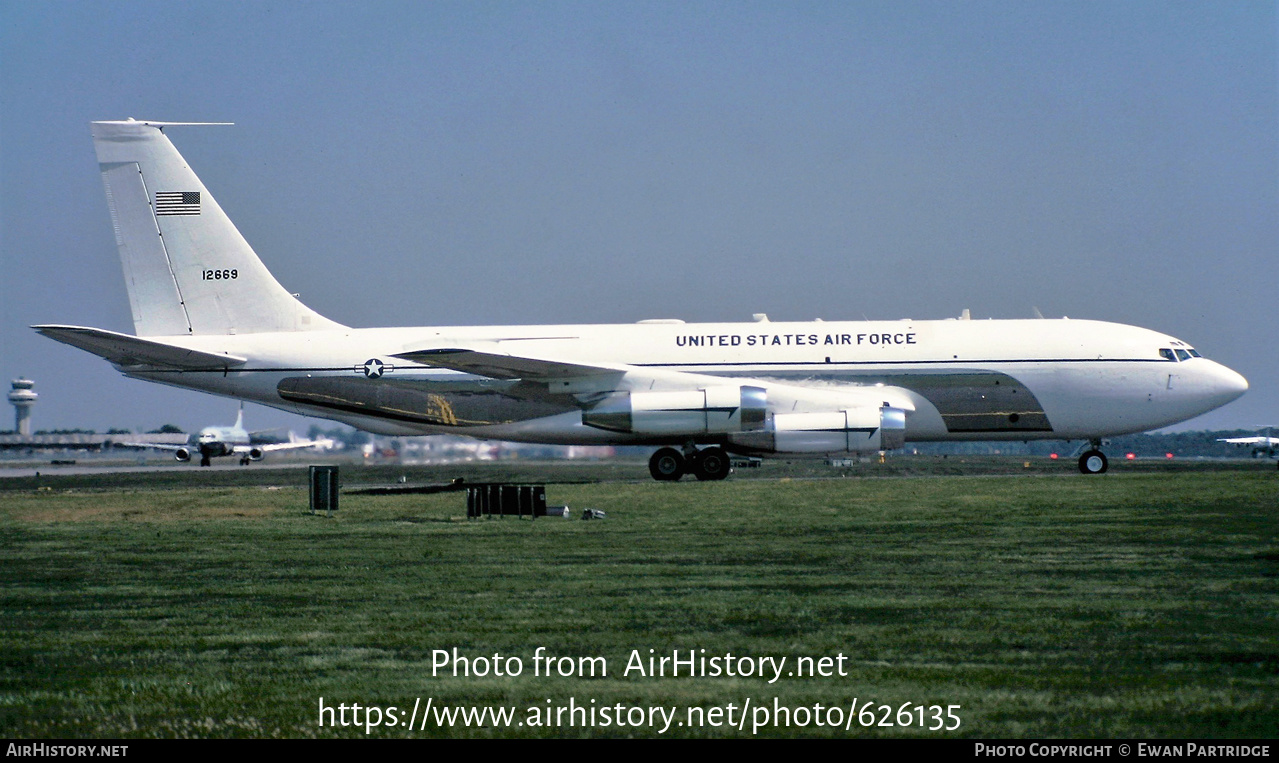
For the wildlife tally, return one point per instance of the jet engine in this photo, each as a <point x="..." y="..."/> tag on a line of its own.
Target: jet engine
<point x="255" y="454"/>
<point x="714" y="410"/>
<point x="182" y="454"/>
<point x="854" y="430"/>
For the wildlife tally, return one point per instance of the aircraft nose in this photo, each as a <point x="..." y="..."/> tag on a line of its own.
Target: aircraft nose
<point x="1227" y="384"/>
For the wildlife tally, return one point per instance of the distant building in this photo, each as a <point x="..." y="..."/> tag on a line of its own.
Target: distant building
<point x="22" y="399"/>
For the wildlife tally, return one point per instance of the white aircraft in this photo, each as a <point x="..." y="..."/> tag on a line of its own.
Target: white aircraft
<point x="234" y="440"/>
<point x="210" y="317"/>
<point x="1263" y="446"/>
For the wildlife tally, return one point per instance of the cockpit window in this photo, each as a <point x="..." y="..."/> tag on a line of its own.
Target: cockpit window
<point x="1166" y="354"/>
<point x="1194" y="353"/>
<point x="1183" y="355"/>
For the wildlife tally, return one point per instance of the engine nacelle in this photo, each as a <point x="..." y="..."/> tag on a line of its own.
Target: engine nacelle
<point x="855" y="430"/>
<point x="182" y="454"/>
<point x="256" y="454"/>
<point x="714" y="410"/>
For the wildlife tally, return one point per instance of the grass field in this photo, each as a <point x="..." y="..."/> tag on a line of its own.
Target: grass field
<point x="1046" y="605"/>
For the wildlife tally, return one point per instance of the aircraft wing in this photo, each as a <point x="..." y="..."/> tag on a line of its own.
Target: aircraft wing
<point x="127" y="350"/>
<point x="593" y="380"/>
<point x="155" y="445"/>
<point x="278" y="446"/>
<point x="502" y="366"/>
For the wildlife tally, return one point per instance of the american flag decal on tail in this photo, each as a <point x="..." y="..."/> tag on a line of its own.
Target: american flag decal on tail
<point x="177" y="202"/>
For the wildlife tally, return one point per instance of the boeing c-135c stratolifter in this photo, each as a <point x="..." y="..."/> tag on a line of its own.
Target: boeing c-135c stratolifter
<point x="210" y="317"/>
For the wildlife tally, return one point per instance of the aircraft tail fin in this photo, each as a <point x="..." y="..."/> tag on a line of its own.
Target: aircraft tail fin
<point x="187" y="268"/>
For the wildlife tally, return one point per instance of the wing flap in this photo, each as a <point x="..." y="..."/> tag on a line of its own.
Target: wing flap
<point x="126" y="350"/>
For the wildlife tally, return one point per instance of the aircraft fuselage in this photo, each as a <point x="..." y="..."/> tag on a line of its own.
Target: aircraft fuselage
<point x="966" y="380"/>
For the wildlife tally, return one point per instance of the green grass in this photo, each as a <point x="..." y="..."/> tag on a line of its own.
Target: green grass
<point x="1137" y="605"/>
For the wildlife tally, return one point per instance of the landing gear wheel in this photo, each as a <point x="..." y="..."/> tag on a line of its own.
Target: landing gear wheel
<point x="711" y="464"/>
<point x="244" y="461"/>
<point x="666" y="465"/>
<point x="204" y="460"/>
<point x="1093" y="462"/>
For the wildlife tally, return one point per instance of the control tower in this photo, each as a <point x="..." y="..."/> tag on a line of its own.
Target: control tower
<point x="22" y="398"/>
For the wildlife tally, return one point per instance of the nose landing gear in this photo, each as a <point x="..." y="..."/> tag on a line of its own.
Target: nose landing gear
<point x="1093" y="461"/>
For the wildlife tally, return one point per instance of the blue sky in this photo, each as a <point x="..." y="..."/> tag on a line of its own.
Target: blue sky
<point x="491" y="163"/>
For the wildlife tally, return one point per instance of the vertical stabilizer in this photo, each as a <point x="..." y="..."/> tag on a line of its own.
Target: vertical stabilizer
<point x="187" y="268"/>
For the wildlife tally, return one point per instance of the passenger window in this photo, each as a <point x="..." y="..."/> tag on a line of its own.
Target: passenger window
<point x="1167" y="355"/>
<point x="1183" y="355"/>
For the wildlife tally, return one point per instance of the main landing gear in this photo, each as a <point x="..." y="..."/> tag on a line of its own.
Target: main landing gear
<point x="668" y="464"/>
<point x="1093" y="461"/>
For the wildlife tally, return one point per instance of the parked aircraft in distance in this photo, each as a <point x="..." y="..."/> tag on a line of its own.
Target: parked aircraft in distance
<point x="234" y="440"/>
<point x="1263" y="445"/>
<point x="210" y="317"/>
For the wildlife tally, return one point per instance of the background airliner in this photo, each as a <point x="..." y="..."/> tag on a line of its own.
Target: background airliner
<point x="1263" y="445"/>
<point x="209" y="316"/>
<point x="235" y="440"/>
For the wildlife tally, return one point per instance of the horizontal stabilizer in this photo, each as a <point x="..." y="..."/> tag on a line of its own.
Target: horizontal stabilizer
<point x="498" y="366"/>
<point x="126" y="350"/>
